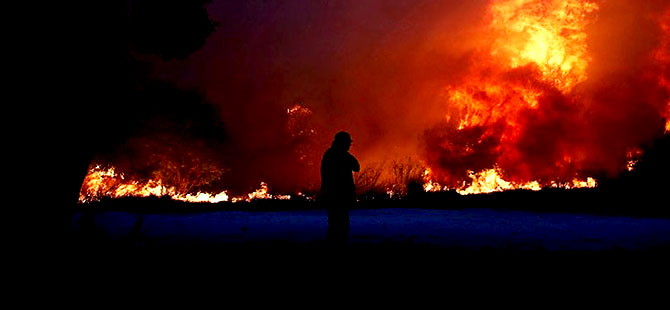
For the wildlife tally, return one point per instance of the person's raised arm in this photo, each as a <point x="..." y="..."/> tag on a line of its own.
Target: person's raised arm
<point x="355" y="166"/>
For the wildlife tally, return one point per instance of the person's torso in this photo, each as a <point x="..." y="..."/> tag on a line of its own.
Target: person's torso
<point x="336" y="173"/>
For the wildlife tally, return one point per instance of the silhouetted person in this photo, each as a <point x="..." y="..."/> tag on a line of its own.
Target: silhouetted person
<point x="337" y="187"/>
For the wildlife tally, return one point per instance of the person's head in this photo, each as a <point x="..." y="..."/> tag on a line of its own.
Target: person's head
<point x="342" y="141"/>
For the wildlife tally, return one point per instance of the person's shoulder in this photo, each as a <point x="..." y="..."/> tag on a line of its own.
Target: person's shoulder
<point x="328" y="153"/>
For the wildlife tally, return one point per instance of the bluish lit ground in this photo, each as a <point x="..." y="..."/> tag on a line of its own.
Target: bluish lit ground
<point x="469" y="228"/>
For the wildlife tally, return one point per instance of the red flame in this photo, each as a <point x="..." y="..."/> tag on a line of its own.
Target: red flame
<point x="520" y="111"/>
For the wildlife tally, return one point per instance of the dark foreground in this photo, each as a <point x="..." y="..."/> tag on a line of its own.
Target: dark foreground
<point x="387" y="242"/>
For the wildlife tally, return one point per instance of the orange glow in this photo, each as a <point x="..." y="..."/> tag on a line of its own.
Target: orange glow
<point x="632" y="157"/>
<point x="296" y="118"/>
<point x="547" y="37"/>
<point x="662" y="53"/>
<point x="662" y="57"/>
<point x="667" y="117"/>
<point x="539" y="50"/>
<point x="549" y="34"/>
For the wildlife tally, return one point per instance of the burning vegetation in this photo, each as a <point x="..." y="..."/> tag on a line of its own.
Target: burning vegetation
<point x="543" y="102"/>
<point x="523" y="109"/>
<point x="516" y="91"/>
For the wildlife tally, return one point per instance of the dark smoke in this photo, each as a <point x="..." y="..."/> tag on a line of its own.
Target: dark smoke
<point x="373" y="68"/>
<point x="104" y="76"/>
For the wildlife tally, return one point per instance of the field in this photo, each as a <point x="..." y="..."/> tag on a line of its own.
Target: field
<point x="509" y="223"/>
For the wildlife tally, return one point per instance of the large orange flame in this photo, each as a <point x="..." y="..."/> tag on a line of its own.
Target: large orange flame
<point x="546" y="37"/>
<point x="539" y="51"/>
<point x="549" y="34"/>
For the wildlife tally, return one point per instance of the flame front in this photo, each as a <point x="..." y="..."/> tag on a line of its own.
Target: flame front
<point x="107" y="183"/>
<point x="490" y="180"/>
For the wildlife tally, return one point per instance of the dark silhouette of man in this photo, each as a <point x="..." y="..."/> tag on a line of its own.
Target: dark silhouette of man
<point x="337" y="187"/>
